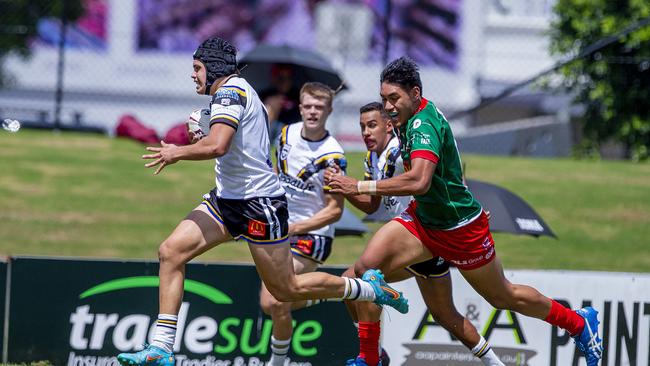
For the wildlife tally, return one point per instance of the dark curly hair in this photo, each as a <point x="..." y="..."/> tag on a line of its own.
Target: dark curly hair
<point x="374" y="106"/>
<point x="403" y="72"/>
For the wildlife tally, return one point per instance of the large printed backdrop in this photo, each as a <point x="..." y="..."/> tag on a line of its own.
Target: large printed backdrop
<point x="623" y="300"/>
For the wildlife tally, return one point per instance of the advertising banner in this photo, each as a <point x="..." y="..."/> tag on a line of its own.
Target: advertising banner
<point x="84" y="312"/>
<point x="622" y="299"/>
<point x="3" y="294"/>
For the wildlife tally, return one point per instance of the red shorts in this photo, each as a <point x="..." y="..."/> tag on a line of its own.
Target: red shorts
<point x="468" y="247"/>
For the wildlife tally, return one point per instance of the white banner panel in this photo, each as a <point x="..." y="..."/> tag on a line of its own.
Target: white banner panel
<point x="622" y="299"/>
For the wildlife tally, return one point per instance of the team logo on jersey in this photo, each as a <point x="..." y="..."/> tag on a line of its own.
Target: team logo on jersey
<point x="284" y="153"/>
<point x="321" y="163"/>
<point x="417" y="123"/>
<point x="256" y="228"/>
<point x="389" y="202"/>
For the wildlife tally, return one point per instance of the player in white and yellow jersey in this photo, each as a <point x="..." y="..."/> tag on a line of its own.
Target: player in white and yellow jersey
<point x="247" y="203"/>
<point x="304" y="151"/>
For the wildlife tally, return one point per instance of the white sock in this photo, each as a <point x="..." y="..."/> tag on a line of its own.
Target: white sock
<point x="165" y="332"/>
<point x="483" y="351"/>
<point x="279" y="351"/>
<point x="357" y="290"/>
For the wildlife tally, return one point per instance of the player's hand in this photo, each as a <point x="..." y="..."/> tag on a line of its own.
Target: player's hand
<point x="163" y="156"/>
<point x="194" y="137"/>
<point x="292" y="230"/>
<point x="331" y="171"/>
<point x="343" y="184"/>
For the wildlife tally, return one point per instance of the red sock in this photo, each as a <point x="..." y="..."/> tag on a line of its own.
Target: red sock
<point x="369" y="342"/>
<point x="565" y="318"/>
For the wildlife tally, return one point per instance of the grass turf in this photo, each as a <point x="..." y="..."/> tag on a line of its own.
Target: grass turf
<point x="86" y="195"/>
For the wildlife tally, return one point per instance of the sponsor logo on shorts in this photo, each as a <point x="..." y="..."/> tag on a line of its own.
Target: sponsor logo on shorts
<point x="472" y="261"/>
<point x="405" y="216"/>
<point x="487" y="243"/>
<point x="305" y="245"/>
<point x="488" y="255"/>
<point x="256" y="228"/>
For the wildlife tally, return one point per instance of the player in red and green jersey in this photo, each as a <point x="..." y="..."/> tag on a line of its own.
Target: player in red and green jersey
<point x="444" y="219"/>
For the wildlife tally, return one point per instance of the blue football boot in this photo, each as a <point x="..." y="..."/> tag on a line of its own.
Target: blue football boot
<point x="588" y="341"/>
<point x="358" y="362"/>
<point x="150" y="356"/>
<point x="384" y="294"/>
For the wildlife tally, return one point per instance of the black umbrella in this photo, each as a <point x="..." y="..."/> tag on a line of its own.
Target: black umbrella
<point x="508" y="212"/>
<point x="308" y="66"/>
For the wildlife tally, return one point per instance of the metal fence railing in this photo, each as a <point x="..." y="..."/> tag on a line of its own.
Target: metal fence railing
<point x="133" y="57"/>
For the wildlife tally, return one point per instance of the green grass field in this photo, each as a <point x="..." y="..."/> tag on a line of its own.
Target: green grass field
<point x="70" y="194"/>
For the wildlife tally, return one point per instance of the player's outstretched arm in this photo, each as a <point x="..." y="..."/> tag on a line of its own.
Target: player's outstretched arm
<point x="364" y="202"/>
<point x="216" y="144"/>
<point x="414" y="182"/>
<point x="329" y="214"/>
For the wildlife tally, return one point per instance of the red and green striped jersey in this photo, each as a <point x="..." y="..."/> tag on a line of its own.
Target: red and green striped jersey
<point x="448" y="203"/>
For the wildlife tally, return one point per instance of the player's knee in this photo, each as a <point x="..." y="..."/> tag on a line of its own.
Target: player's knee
<point x="267" y="304"/>
<point x="167" y="253"/>
<point x="164" y="252"/>
<point x="286" y="292"/>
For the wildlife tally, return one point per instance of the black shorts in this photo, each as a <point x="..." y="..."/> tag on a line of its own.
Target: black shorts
<point x="260" y="220"/>
<point x="314" y="247"/>
<point x="433" y="268"/>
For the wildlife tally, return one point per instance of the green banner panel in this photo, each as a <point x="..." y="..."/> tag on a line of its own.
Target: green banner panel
<point x="84" y="312"/>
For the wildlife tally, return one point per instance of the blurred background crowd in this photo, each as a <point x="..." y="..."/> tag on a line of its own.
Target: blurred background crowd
<point x="132" y="58"/>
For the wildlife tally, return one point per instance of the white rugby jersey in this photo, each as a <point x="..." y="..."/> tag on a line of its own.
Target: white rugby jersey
<point x="301" y="167"/>
<point x="386" y="165"/>
<point x="246" y="170"/>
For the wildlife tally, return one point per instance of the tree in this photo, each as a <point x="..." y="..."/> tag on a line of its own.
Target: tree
<point x="613" y="83"/>
<point x="19" y="18"/>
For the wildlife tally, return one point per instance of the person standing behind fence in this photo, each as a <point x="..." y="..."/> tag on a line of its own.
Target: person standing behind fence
<point x="444" y="219"/>
<point x="282" y="98"/>
<point x="305" y="149"/>
<point x="247" y="203"/>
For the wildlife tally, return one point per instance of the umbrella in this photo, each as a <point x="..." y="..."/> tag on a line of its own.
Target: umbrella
<point x="349" y="224"/>
<point x="308" y="66"/>
<point x="508" y="212"/>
